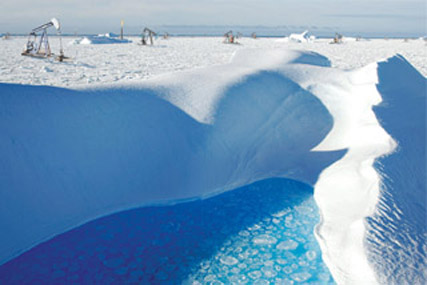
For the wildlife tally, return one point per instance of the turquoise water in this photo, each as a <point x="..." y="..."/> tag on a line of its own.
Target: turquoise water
<point x="281" y="248"/>
<point x="261" y="233"/>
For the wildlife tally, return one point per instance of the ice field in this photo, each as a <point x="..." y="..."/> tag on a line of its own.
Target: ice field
<point x="196" y="161"/>
<point x="94" y="64"/>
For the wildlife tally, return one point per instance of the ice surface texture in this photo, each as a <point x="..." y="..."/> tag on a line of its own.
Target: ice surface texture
<point x="279" y="249"/>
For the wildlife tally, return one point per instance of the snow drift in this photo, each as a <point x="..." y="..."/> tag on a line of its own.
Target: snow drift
<point x="70" y="156"/>
<point x="304" y="37"/>
<point x="108" y="38"/>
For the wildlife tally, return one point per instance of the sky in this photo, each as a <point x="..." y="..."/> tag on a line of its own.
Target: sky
<point x="382" y="17"/>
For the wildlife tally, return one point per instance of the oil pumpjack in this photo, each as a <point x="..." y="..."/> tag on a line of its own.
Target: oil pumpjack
<point x="230" y="38"/>
<point x="147" y="33"/>
<point x="41" y="48"/>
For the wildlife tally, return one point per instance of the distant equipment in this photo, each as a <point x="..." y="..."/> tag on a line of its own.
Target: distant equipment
<point x="337" y="39"/>
<point x="230" y="38"/>
<point x="41" y="48"/>
<point x="6" y="36"/>
<point x="147" y="34"/>
<point x="122" y="23"/>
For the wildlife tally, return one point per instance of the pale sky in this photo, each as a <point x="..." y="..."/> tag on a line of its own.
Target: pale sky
<point x="96" y="16"/>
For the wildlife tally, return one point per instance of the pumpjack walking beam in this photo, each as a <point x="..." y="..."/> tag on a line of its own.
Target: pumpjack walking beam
<point x="35" y="49"/>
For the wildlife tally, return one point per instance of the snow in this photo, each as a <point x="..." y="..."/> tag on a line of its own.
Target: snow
<point x="299" y="38"/>
<point x="101" y="39"/>
<point x="397" y="231"/>
<point x="109" y="63"/>
<point x="231" y="116"/>
<point x="109" y="35"/>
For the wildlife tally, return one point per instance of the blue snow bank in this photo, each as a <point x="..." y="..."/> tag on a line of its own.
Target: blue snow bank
<point x="70" y="156"/>
<point x="397" y="233"/>
<point x="101" y="39"/>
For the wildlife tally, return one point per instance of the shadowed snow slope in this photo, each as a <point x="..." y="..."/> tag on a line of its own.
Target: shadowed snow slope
<point x="69" y="156"/>
<point x="397" y="233"/>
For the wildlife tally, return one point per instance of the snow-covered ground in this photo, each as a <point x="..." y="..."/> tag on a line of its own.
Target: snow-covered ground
<point x="131" y="62"/>
<point x="234" y="114"/>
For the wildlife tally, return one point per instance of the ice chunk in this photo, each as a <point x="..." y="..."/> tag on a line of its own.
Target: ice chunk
<point x="255" y="274"/>
<point x="304" y="210"/>
<point x="209" y="278"/>
<point x="288" y="269"/>
<point x="311" y="254"/>
<point x="228" y="260"/>
<point x="281" y="213"/>
<point x="287" y="245"/>
<point x="252" y="251"/>
<point x="301" y="276"/>
<point x="261" y="282"/>
<point x="254" y="228"/>
<point x="264" y="240"/>
<point x="276" y="221"/>
<point x="268" y="271"/>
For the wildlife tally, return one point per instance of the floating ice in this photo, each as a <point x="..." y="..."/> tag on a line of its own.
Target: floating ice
<point x="311" y="255"/>
<point x="268" y="271"/>
<point x="264" y="240"/>
<point x="287" y="245"/>
<point x="255" y="274"/>
<point x="228" y="260"/>
<point x="190" y="241"/>
<point x="301" y="276"/>
<point x="270" y="252"/>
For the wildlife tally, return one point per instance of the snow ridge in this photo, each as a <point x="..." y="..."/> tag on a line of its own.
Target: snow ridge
<point x="348" y="191"/>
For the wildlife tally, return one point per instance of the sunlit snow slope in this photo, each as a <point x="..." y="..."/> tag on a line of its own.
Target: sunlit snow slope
<point x="69" y="156"/>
